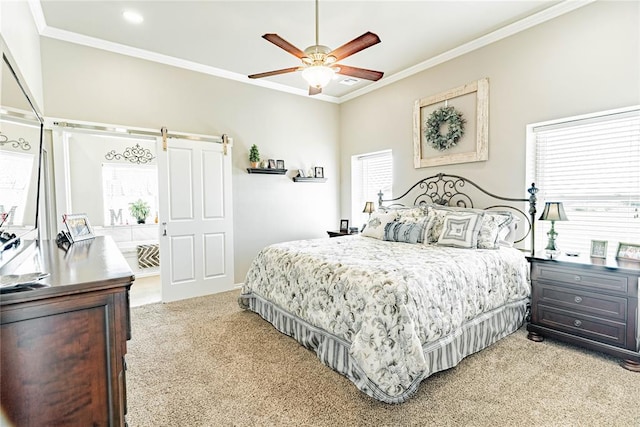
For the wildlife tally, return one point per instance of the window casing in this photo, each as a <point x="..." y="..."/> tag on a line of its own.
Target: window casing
<point x="370" y="174"/>
<point x="592" y="165"/>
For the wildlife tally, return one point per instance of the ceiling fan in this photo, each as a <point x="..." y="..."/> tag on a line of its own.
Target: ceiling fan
<point x="319" y="63"/>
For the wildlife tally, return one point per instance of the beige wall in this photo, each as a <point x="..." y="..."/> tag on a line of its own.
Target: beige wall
<point x="86" y="84"/>
<point x="22" y="44"/>
<point x="582" y="62"/>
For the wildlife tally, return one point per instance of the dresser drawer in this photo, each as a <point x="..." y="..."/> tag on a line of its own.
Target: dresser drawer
<point x="609" y="282"/>
<point x="594" y="304"/>
<point x="580" y="324"/>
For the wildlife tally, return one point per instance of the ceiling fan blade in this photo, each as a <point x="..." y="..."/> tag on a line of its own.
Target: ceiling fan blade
<point x="274" y="73"/>
<point x="314" y="90"/>
<point x="361" y="73"/>
<point x="282" y="43"/>
<point x="366" y="40"/>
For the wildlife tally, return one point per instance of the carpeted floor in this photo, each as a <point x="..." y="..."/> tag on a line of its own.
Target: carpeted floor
<point x="205" y="362"/>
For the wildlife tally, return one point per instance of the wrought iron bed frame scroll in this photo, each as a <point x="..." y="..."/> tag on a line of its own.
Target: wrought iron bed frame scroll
<point x="446" y="190"/>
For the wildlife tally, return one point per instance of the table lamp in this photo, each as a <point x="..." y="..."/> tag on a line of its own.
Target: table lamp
<point x="368" y="208"/>
<point x="553" y="211"/>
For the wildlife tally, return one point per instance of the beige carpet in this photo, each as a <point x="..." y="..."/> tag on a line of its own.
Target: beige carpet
<point x="205" y="362"/>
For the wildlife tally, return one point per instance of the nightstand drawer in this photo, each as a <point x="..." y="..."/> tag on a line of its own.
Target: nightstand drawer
<point x="611" y="307"/>
<point x="602" y="330"/>
<point x="581" y="277"/>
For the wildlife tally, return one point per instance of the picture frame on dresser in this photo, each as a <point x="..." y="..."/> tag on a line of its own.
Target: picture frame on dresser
<point x="78" y="227"/>
<point x="598" y="249"/>
<point x="628" y="252"/>
<point x="344" y="225"/>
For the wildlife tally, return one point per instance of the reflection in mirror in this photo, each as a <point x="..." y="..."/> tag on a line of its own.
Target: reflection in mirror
<point x="20" y="148"/>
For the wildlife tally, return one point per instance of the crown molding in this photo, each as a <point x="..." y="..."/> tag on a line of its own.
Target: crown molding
<point x="504" y="32"/>
<point x="552" y="12"/>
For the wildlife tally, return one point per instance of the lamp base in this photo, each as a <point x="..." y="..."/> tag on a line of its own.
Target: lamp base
<point x="552" y="249"/>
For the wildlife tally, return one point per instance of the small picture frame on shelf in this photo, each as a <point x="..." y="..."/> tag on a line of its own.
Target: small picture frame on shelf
<point x="628" y="252"/>
<point x="272" y="164"/>
<point x="318" y="172"/>
<point x="344" y="225"/>
<point x="598" y="249"/>
<point x="279" y="164"/>
<point x="78" y="227"/>
<point x="301" y="173"/>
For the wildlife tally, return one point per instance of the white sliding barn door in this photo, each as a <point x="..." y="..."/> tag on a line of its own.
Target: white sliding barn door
<point x="196" y="224"/>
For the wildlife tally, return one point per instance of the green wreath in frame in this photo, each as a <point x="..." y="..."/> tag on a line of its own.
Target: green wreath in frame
<point x="455" y="122"/>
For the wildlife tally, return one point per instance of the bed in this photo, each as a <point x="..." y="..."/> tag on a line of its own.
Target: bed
<point x="430" y="280"/>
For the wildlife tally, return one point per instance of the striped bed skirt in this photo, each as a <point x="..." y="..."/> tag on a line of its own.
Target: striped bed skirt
<point x="442" y="354"/>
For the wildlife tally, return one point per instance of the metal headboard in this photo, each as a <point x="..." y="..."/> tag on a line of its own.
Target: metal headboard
<point x="448" y="190"/>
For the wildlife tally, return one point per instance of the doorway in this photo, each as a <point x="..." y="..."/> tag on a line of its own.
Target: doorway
<point x="102" y="172"/>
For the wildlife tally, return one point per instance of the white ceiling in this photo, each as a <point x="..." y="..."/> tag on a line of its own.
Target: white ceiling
<point x="223" y="38"/>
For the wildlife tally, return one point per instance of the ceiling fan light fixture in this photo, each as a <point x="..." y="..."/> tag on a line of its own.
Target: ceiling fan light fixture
<point x="318" y="76"/>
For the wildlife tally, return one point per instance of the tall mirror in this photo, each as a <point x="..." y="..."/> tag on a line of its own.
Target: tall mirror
<point x="21" y="131"/>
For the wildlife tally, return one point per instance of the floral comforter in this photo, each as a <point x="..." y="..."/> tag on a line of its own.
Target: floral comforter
<point x="386" y="299"/>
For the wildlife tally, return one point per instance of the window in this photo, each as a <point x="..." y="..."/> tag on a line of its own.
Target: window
<point x="123" y="184"/>
<point x="370" y="174"/>
<point x="16" y="174"/>
<point x="592" y="165"/>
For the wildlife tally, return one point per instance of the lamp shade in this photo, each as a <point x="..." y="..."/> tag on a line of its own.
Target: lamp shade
<point x="318" y="76"/>
<point x="368" y="207"/>
<point x="553" y="211"/>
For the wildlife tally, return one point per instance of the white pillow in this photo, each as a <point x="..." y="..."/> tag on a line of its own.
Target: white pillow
<point x="460" y="229"/>
<point x="377" y="222"/>
<point x="507" y="236"/>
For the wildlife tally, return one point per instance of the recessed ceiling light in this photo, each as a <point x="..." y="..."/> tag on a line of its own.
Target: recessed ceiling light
<point x="133" y="17"/>
<point x="349" y="81"/>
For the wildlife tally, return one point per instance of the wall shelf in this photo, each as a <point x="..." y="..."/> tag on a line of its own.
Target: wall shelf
<point x="267" y="171"/>
<point x="308" y="179"/>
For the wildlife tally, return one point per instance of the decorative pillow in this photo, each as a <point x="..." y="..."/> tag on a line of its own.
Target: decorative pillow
<point x="461" y="229"/>
<point x="439" y="213"/>
<point x="409" y="230"/>
<point x="415" y="212"/>
<point x="405" y="212"/>
<point x="377" y="222"/>
<point x="492" y="224"/>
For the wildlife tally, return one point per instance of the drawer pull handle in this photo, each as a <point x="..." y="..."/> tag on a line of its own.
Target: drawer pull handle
<point x="578" y="299"/>
<point x="577" y="323"/>
<point x="577" y="278"/>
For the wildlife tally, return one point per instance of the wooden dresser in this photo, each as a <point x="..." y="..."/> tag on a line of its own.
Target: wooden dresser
<point x="587" y="302"/>
<point x="63" y="346"/>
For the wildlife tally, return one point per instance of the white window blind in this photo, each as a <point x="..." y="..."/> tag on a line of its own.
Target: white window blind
<point x="592" y="166"/>
<point x="370" y="173"/>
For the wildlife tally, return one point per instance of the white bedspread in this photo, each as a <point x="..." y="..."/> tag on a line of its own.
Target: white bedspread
<point x="387" y="299"/>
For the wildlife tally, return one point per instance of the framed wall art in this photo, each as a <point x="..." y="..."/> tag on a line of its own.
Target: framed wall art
<point x="452" y="127"/>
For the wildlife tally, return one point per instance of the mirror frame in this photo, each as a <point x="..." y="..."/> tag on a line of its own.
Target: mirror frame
<point x="14" y="246"/>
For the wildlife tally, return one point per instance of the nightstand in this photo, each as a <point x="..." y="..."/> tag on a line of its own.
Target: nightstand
<point x="339" y="233"/>
<point x="587" y="302"/>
